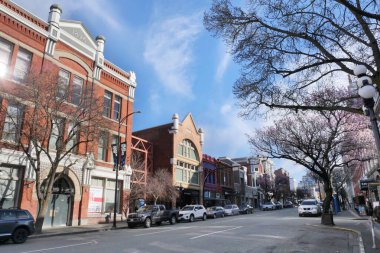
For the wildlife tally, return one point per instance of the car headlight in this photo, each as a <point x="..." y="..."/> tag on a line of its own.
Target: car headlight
<point x="299" y="208"/>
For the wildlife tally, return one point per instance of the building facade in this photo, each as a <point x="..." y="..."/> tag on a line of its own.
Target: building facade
<point x="177" y="147"/>
<point x="85" y="191"/>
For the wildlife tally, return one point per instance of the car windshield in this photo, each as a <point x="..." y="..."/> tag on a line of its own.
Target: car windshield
<point x="308" y="203"/>
<point x="228" y="207"/>
<point x="213" y="208"/>
<point x="187" y="208"/>
<point x="268" y="203"/>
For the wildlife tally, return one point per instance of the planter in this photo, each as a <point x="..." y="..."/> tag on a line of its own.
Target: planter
<point x="327" y="219"/>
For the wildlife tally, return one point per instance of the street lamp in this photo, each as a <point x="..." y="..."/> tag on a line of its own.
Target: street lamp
<point x="368" y="91"/>
<point x="118" y="160"/>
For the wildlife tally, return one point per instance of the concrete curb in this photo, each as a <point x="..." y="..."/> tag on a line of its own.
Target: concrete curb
<point x="64" y="233"/>
<point x="358" y="233"/>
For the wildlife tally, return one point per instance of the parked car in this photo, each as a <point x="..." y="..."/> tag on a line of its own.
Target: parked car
<point x="152" y="214"/>
<point x="309" y="207"/>
<point x="192" y="212"/>
<point x="245" y="209"/>
<point x="16" y="224"/>
<point x="231" y="209"/>
<point x="278" y="205"/>
<point x="215" y="211"/>
<point x="268" y="206"/>
<point x="288" y="204"/>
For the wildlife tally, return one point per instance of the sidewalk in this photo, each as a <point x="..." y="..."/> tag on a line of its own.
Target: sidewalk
<point x="361" y="225"/>
<point x="56" y="231"/>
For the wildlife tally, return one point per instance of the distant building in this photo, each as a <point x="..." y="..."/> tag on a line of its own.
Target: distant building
<point x="177" y="147"/>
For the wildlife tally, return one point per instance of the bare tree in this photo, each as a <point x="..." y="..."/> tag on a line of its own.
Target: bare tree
<point x="160" y="186"/>
<point x="137" y="183"/>
<point x="294" y="51"/>
<point x="322" y="144"/>
<point x="56" y="126"/>
<point x="281" y="187"/>
<point x="266" y="183"/>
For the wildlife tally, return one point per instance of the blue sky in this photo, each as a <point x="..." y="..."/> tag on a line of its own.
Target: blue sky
<point x="180" y="67"/>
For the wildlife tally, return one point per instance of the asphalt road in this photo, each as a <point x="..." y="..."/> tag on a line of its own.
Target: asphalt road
<point x="271" y="231"/>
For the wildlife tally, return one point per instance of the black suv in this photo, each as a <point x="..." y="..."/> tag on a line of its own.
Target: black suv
<point x="16" y="224"/>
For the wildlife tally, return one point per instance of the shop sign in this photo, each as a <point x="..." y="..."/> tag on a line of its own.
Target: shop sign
<point x="364" y="184"/>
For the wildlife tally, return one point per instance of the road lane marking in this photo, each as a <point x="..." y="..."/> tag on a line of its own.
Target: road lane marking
<point x="269" y="236"/>
<point x="161" y="231"/>
<point x="62" y="247"/>
<point x="195" y="237"/>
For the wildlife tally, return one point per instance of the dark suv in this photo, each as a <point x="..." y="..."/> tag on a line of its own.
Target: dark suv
<point x="16" y="224"/>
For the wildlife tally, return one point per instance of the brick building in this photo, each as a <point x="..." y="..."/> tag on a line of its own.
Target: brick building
<point x="85" y="192"/>
<point x="177" y="147"/>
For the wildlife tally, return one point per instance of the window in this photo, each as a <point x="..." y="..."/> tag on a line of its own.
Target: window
<point x="117" y="108"/>
<point x="187" y="149"/>
<point x="77" y="90"/>
<point x="24" y="58"/>
<point x="103" y="146"/>
<point x="12" y="124"/>
<point x="187" y="173"/>
<point x="72" y="136"/>
<point x="102" y="195"/>
<point x="5" y="55"/>
<point x="107" y="104"/>
<point x="10" y="183"/>
<point x="63" y="84"/>
<point x="56" y="134"/>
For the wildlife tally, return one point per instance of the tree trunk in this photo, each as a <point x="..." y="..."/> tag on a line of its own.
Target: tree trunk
<point x="41" y="214"/>
<point x="327" y="215"/>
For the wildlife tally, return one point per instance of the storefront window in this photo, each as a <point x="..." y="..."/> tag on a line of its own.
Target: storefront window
<point x="9" y="187"/>
<point x="102" y="195"/>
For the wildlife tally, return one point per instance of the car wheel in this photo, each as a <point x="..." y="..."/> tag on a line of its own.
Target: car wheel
<point x="191" y="219"/>
<point x="20" y="235"/>
<point x="204" y="217"/>
<point x="147" y="222"/>
<point x="300" y="215"/>
<point x="173" y="220"/>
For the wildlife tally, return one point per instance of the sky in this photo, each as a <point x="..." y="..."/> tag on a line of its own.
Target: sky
<point x="180" y="67"/>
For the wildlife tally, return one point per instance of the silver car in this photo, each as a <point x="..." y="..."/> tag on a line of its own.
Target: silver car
<point x="231" y="209"/>
<point x="269" y="206"/>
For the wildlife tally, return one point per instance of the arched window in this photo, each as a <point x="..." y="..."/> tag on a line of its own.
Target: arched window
<point x="187" y="149"/>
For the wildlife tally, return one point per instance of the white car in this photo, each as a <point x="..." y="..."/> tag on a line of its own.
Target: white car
<point x="231" y="209"/>
<point x="309" y="207"/>
<point x="192" y="212"/>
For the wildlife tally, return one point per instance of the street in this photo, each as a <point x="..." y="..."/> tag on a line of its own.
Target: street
<point x="271" y="231"/>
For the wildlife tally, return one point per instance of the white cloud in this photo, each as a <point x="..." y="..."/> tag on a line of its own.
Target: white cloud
<point x="226" y="108"/>
<point x="95" y="11"/>
<point x="227" y="135"/>
<point x="224" y="62"/>
<point x="169" y="49"/>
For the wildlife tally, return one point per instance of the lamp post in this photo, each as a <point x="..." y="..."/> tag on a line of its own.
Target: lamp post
<point x="368" y="91"/>
<point x="118" y="160"/>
